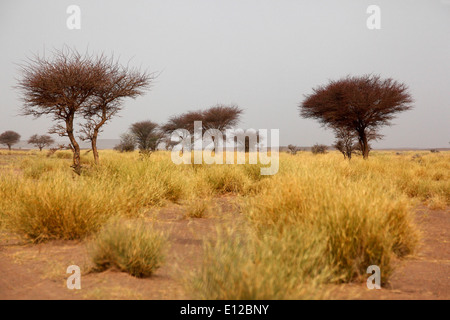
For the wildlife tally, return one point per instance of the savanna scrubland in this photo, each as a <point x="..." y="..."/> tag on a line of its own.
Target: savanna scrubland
<point x="318" y="223"/>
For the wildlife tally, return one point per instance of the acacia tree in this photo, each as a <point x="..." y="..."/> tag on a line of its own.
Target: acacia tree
<point x="71" y="85"/>
<point x="61" y="88"/>
<point x="183" y="121"/>
<point x="361" y="105"/>
<point x="119" y="83"/>
<point x="9" y="138"/>
<point x="219" y="117"/>
<point x="146" y="135"/>
<point x="41" y="141"/>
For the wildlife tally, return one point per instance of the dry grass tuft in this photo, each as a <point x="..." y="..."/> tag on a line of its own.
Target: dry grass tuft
<point x="132" y="247"/>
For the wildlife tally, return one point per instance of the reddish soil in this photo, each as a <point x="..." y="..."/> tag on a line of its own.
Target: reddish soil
<point x="39" y="271"/>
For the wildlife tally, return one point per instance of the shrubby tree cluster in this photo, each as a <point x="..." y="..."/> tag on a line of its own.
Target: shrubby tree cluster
<point x="145" y="135"/>
<point x="148" y="135"/>
<point x="126" y="144"/>
<point x="293" y="149"/>
<point x="319" y="149"/>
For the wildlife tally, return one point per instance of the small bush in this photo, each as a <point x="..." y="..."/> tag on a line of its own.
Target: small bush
<point x="58" y="209"/>
<point x="37" y="169"/>
<point x="437" y="202"/>
<point x="226" y="179"/>
<point x="63" y="155"/>
<point x="319" y="149"/>
<point x="361" y="229"/>
<point x="288" y="265"/>
<point x="127" y="143"/>
<point x="197" y="208"/>
<point x="293" y="149"/>
<point x="132" y="247"/>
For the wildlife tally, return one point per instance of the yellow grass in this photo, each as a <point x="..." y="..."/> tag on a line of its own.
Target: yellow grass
<point x="133" y="247"/>
<point x="320" y="219"/>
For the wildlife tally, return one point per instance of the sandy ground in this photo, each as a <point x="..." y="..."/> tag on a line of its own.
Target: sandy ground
<point x="39" y="271"/>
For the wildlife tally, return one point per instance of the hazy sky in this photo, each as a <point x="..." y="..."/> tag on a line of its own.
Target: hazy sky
<point x="262" y="55"/>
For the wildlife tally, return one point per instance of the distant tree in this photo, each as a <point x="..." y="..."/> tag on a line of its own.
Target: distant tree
<point x="319" y="149"/>
<point x="168" y="143"/>
<point x="146" y="135"/>
<point x="41" y="141"/>
<point x="219" y="117"/>
<point x="126" y="144"/>
<point x="9" y="138"/>
<point x="358" y="104"/>
<point x="184" y="121"/>
<point x="293" y="149"/>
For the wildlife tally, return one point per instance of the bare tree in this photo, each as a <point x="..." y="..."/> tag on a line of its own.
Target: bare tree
<point x="9" y="138"/>
<point x="41" y="141"/>
<point x="61" y="88"/>
<point x="71" y="85"/>
<point x="358" y="104"/>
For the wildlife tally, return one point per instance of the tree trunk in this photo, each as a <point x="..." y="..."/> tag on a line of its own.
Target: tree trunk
<point x="95" y="135"/>
<point x="216" y="144"/>
<point x="94" y="146"/>
<point x="75" y="147"/>
<point x="9" y="147"/>
<point x="349" y="155"/>
<point x="364" y="144"/>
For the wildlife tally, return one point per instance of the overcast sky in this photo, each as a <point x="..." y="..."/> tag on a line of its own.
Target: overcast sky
<point x="262" y="55"/>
